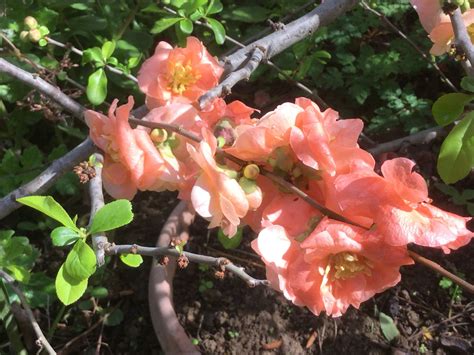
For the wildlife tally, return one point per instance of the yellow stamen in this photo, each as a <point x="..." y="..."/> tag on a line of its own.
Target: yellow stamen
<point x="347" y="265"/>
<point x="181" y="77"/>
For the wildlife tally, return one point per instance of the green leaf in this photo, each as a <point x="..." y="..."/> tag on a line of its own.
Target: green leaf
<point x="214" y="7"/>
<point x="467" y="83"/>
<point x="62" y="236"/>
<point x="250" y="14"/>
<point x="186" y="26"/>
<point x="389" y="329"/>
<point x="164" y="23"/>
<point x="42" y="42"/>
<point x="456" y="157"/>
<point x="97" y="87"/>
<point x="132" y="260"/>
<point x="114" y="318"/>
<point x="68" y="289"/>
<point x="113" y="215"/>
<point x="445" y="283"/>
<point x="92" y="55"/>
<point x="218" y="29"/>
<point x="99" y="292"/>
<point x="81" y="261"/>
<point x="108" y="49"/>
<point x="49" y="207"/>
<point x="19" y="273"/>
<point x="230" y="243"/>
<point x="449" y="107"/>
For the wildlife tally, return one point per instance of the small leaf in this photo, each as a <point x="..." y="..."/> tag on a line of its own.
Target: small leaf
<point x="108" y="49"/>
<point x="456" y="157"/>
<point x="81" y="261"/>
<point x="132" y="260"/>
<point x="218" y="29"/>
<point x="97" y="87"/>
<point x="114" y="318"/>
<point x="186" y="26"/>
<point x="92" y="55"/>
<point x="62" y="236"/>
<point x="49" y="207"/>
<point x="113" y="215"/>
<point x="389" y="329"/>
<point x="230" y="243"/>
<point x="449" y="107"/>
<point x="467" y="83"/>
<point x="214" y="7"/>
<point x="164" y="23"/>
<point x="445" y="283"/>
<point x="42" y="42"/>
<point x="99" y="292"/>
<point x="19" y="273"/>
<point x="68" y="289"/>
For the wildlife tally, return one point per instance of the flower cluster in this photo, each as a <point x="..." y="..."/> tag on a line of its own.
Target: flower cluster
<point x="316" y="261"/>
<point x="438" y="24"/>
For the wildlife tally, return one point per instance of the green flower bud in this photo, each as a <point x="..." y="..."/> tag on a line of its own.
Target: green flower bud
<point x="251" y="171"/>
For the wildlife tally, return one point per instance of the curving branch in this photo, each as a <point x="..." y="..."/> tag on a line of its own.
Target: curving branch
<point x="223" y="263"/>
<point x="462" y="38"/>
<point x="47" y="178"/>
<point x="276" y="43"/>
<point x="41" y="341"/>
<point x="44" y="87"/>
<point x="421" y="137"/>
<point x="97" y="202"/>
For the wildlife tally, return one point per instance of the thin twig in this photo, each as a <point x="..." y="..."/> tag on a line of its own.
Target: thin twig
<point x="462" y="37"/>
<point x="112" y="249"/>
<point x="425" y="56"/>
<point x="43" y="86"/>
<point x="97" y="202"/>
<point x="81" y="53"/>
<point x="41" y="341"/>
<point x="438" y="268"/>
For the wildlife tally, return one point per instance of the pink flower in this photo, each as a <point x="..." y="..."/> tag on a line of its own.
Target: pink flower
<point x="398" y="205"/>
<point x="323" y="142"/>
<point x="124" y="160"/>
<point x="237" y="112"/>
<point x="257" y="140"/>
<point x="216" y="196"/>
<point x="181" y="74"/>
<point x="442" y="35"/>
<point x="430" y="13"/>
<point x="336" y="266"/>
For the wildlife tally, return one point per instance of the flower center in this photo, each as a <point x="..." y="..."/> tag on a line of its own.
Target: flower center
<point x="112" y="148"/>
<point x="347" y="265"/>
<point x="181" y="77"/>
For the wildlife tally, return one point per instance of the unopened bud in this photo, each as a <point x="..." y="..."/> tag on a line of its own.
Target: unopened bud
<point x="24" y="36"/>
<point x="34" y="35"/>
<point x="251" y="171"/>
<point x="159" y="135"/>
<point x="31" y="22"/>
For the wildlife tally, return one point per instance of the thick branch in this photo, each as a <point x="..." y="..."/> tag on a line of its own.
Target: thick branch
<point x="42" y="86"/>
<point x="42" y="342"/>
<point x="462" y="36"/>
<point x="97" y="202"/>
<point x="48" y="177"/>
<point x="421" y="137"/>
<point x="292" y="33"/>
<point x="112" y="249"/>
<point x="224" y="88"/>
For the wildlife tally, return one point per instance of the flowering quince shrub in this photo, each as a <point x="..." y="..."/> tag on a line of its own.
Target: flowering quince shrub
<point x="316" y="261"/>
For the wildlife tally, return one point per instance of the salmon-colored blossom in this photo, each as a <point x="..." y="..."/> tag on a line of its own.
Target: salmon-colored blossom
<point x="178" y="74"/>
<point x="336" y="266"/>
<point x="124" y="158"/>
<point x="403" y="214"/>
<point x="430" y="13"/>
<point x="215" y="195"/>
<point x="442" y="35"/>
